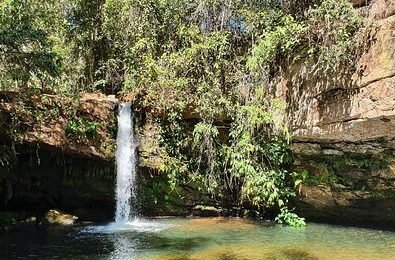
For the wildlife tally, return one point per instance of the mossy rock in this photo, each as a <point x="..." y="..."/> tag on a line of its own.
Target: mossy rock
<point x="205" y="211"/>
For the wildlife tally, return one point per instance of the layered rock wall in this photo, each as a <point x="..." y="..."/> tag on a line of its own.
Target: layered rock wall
<point x="344" y="132"/>
<point x="50" y="159"/>
<point x="43" y="121"/>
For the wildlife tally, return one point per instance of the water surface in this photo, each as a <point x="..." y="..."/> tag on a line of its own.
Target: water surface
<point x="203" y="238"/>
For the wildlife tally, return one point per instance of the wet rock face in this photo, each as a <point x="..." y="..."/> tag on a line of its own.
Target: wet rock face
<point x="323" y="203"/>
<point x="352" y="184"/>
<point x="49" y="159"/>
<point x="43" y="180"/>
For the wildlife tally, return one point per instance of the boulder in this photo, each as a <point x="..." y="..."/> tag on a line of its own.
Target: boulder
<point x="58" y="217"/>
<point x="205" y="211"/>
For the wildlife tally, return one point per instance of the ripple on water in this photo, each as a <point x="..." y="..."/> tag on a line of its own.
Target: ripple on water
<point x="137" y="225"/>
<point x="209" y="238"/>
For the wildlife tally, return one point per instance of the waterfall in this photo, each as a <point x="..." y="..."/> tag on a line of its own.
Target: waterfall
<point x="126" y="165"/>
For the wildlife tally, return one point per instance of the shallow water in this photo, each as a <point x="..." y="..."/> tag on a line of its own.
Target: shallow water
<point x="212" y="238"/>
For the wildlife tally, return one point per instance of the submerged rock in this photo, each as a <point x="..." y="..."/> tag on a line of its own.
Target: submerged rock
<point x="291" y="253"/>
<point x="205" y="211"/>
<point x="58" y="217"/>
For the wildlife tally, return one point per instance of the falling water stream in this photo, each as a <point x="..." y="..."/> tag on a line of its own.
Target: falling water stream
<point x="130" y="237"/>
<point x="126" y="217"/>
<point x="126" y="166"/>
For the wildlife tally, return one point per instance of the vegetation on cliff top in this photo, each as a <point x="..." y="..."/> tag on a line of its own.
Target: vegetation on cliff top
<point x="216" y="59"/>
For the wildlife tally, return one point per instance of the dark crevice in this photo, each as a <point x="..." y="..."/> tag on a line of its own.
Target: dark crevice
<point x="376" y="80"/>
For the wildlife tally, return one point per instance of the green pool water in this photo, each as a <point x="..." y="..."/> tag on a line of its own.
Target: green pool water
<point x="200" y="238"/>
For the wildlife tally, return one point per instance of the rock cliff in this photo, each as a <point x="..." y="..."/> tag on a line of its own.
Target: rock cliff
<point x="343" y="132"/>
<point x="58" y="123"/>
<point x="343" y="142"/>
<point x="57" y="152"/>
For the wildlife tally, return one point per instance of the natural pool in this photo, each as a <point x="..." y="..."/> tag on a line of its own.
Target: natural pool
<point x="199" y="238"/>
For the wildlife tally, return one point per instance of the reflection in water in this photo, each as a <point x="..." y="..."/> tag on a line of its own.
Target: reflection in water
<point x="213" y="238"/>
<point x="124" y="247"/>
<point x="125" y="236"/>
<point x="137" y="225"/>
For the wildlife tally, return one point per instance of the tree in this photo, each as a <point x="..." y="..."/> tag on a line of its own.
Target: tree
<point x="84" y="33"/>
<point x="25" y="47"/>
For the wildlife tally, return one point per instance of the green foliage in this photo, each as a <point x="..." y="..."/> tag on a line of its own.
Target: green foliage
<point x="158" y="194"/>
<point x="324" y="175"/>
<point x="254" y="156"/>
<point x="344" y="170"/>
<point x="81" y="129"/>
<point x="205" y="141"/>
<point x="359" y="163"/>
<point x="176" y="171"/>
<point x="179" y="48"/>
<point x="250" y="166"/>
<point x="25" y="47"/>
<point x="327" y="37"/>
<point x="387" y="194"/>
<point x="337" y="45"/>
<point x="366" y="162"/>
<point x="88" y="46"/>
<point x="211" y="60"/>
<point x="195" y="63"/>
<point x="280" y="39"/>
<point x="288" y="217"/>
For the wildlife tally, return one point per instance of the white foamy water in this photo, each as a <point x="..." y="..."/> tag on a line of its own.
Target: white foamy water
<point x="126" y="158"/>
<point x="137" y="225"/>
<point x="126" y="166"/>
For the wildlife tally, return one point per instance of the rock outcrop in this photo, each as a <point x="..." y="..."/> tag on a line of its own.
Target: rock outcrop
<point x="43" y="120"/>
<point x="343" y="142"/>
<point x="344" y="132"/>
<point x="57" y="217"/>
<point x="57" y="152"/>
<point x="354" y="112"/>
